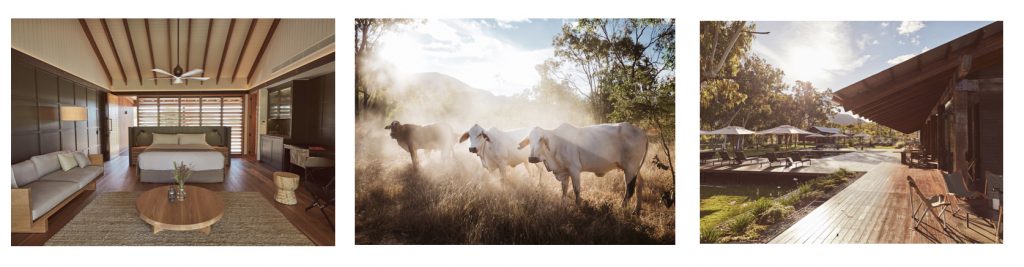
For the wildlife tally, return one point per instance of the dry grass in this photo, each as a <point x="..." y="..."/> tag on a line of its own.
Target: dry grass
<point x="457" y="202"/>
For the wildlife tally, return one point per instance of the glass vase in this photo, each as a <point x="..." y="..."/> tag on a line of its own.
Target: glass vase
<point x="180" y="195"/>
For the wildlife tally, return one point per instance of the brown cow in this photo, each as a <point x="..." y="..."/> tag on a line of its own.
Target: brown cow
<point x="411" y="137"/>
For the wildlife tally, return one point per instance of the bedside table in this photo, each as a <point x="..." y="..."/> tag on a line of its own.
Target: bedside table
<point x="133" y="154"/>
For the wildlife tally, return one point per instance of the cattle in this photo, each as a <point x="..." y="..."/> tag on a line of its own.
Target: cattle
<point x="411" y="137"/>
<point x="568" y="150"/>
<point x="497" y="149"/>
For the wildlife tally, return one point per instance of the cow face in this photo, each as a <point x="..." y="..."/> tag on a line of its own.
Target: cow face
<point x="396" y="129"/>
<point x="478" y="139"/>
<point x="539" y="144"/>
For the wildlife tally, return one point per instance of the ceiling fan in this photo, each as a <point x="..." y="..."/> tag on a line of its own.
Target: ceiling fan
<point x="178" y="75"/>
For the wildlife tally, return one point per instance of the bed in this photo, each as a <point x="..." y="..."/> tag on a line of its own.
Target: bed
<point x="195" y="146"/>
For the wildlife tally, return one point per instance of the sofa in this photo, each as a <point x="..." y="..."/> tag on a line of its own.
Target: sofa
<point x="40" y="187"/>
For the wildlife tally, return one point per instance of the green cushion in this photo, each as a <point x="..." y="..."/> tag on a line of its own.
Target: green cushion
<point x="67" y="161"/>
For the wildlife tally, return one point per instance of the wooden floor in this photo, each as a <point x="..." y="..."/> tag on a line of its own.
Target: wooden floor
<point x="245" y="175"/>
<point x="875" y="209"/>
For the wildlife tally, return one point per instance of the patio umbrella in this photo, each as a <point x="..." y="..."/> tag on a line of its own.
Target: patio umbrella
<point x="815" y="136"/>
<point x="784" y="130"/>
<point x="732" y="130"/>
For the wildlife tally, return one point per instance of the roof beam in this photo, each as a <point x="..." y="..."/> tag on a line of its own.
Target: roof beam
<point x="263" y="48"/>
<point x="206" y="51"/>
<point x="152" y="60"/>
<point x="188" y="48"/>
<point x="117" y="57"/>
<point x="131" y="45"/>
<point x="241" y="54"/>
<point x="227" y="42"/>
<point x="170" y="47"/>
<point x="96" y="50"/>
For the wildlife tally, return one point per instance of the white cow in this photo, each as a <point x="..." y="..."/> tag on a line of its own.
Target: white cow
<point x="569" y="150"/>
<point x="497" y="149"/>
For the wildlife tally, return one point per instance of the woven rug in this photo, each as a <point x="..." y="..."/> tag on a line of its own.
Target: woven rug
<point x="112" y="220"/>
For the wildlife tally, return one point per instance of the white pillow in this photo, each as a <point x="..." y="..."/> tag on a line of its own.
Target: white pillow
<point x="83" y="160"/>
<point x="165" y="139"/>
<point x="192" y="139"/>
<point x="67" y="161"/>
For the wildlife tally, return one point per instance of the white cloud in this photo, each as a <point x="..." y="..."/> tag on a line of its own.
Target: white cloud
<point x="814" y="51"/>
<point x="916" y="40"/>
<point x="874" y="42"/>
<point x="925" y="49"/>
<point x="864" y="40"/>
<point x="466" y="50"/>
<point x="885" y="24"/>
<point x="908" y="27"/>
<point x="900" y="59"/>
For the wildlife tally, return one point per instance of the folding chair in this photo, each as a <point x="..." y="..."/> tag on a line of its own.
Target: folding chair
<point x="958" y="192"/>
<point x="928" y="205"/>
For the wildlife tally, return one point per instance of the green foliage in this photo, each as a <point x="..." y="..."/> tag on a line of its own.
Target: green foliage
<point x="740" y="223"/>
<point x="760" y="206"/>
<point x="709" y="234"/>
<point x="776" y="214"/>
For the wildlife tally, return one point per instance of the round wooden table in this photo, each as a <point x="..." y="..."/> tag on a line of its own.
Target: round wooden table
<point x="201" y="209"/>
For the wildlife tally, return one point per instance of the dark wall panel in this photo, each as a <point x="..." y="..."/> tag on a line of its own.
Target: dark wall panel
<point x="38" y="90"/>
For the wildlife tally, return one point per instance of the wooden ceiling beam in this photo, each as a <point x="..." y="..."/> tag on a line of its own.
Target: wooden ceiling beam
<point x="170" y="47"/>
<point x="117" y="57"/>
<point x="96" y="50"/>
<point x="241" y="54"/>
<point x="206" y="51"/>
<point x="263" y="48"/>
<point x="227" y="42"/>
<point x="152" y="59"/>
<point x="188" y="48"/>
<point x="131" y="46"/>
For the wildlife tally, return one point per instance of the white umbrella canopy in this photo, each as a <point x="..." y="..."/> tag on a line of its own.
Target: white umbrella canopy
<point x="815" y="136"/>
<point x="839" y="135"/>
<point x="703" y="132"/>
<point x="784" y="129"/>
<point x="732" y="130"/>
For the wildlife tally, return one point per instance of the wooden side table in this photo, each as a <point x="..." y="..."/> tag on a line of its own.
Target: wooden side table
<point x="286" y="184"/>
<point x="133" y="154"/>
<point x="201" y="209"/>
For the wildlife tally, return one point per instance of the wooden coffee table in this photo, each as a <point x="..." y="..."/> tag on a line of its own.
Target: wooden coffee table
<point x="201" y="209"/>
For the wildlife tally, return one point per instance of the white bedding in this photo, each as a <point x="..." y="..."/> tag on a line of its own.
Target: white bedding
<point x="162" y="157"/>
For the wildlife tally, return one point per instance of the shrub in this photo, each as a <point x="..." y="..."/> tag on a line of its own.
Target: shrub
<point x="804" y="189"/>
<point x="775" y="214"/>
<point x="709" y="234"/>
<point x="789" y="200"/>
<point x="740" y="223"/>
<point x="814" y="195"/>
<point x="843" y="172"/>
<point x="760" y="206"/>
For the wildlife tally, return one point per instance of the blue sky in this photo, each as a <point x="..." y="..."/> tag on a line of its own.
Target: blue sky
<point x="837" y="54"/>
<point x="498" y="55"/>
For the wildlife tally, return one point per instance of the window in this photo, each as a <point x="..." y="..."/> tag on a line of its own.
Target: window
<point x="195" y="111"/>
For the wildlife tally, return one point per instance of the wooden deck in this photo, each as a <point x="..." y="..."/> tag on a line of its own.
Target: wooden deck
<point x="875" y="209"/>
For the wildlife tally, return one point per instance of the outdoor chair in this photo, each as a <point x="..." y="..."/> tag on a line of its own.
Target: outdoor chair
<point x="773" y="158"/>
<point x="995" y="182"/>
<point x="927" y="205"/>
<point x="959" y="193"/>
<point x="706" y="156"/>
<point x="741" y="158"/>
<point x="798" y="157"/>
<point x="724" y="157"/>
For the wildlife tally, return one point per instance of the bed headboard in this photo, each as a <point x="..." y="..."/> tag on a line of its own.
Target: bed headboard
<point x="215" y="135"/>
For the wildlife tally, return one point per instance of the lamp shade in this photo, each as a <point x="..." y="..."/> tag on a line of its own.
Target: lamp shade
<point x="72" y="113"/>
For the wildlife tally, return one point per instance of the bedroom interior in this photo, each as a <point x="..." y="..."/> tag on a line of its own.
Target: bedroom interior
<point x="164" y="132"/>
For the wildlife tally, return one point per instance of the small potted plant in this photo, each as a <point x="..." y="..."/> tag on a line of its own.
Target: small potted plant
<point x="181" y="173"/>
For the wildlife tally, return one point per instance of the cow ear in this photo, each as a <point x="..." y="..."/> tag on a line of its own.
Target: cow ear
<point x="464" y="137"/>
<point x="387" y="127"/>
<point x="524" y="143"/>
<point x="486" y="138"/>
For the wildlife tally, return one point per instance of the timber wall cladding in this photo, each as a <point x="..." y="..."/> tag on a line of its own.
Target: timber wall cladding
<point x="36" y="97"/>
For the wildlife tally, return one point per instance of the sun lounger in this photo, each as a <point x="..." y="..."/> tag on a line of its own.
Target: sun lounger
<point x="741" y="158"/>
<point x="773" y="158"/>
<point x="724" y="157"/>
<point x="798" y="157"/>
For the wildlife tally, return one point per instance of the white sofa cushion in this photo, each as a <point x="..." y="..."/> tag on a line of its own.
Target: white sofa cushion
<point x="46" y="163"/>
<point x="23" y="173"/>
<point x="192" y="139"/>
<point x="45" y="195"/>
<point x="67" y="161"/>
<point x="82" y="159"/>
<point x="79" y="176"/>
<point x="165" y="139"/>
